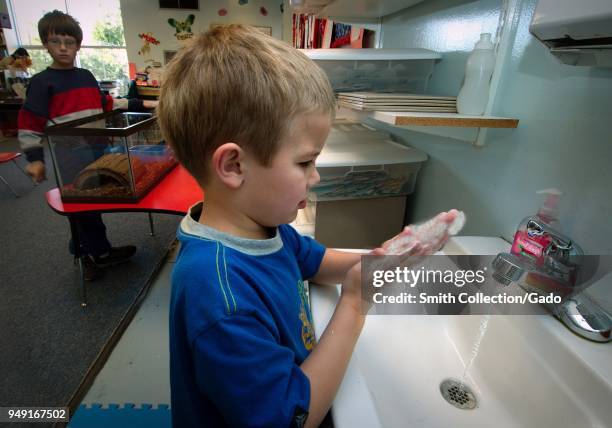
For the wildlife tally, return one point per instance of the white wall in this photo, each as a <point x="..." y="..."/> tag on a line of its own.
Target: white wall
<point x="564" y="138"/>
<point x="142" y="16"/>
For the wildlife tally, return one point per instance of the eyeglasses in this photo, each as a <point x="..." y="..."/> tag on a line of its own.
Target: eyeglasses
<point x="69" y="43"/>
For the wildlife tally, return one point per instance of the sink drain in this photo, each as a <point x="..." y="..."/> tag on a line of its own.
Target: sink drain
<point x="458" y="394"/>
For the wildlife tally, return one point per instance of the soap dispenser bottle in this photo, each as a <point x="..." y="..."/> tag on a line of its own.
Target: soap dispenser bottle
<point x="474" y="94"/>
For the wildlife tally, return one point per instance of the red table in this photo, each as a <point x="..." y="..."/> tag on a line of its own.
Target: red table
<point x="174" y="194"/>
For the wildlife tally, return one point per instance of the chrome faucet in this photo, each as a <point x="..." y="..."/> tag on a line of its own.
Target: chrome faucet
<point x="556" y="270"/>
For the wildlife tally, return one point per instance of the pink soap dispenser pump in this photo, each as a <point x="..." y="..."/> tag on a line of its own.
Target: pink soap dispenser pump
<point x="549" y="211"/>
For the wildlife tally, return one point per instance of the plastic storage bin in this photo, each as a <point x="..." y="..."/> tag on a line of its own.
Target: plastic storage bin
<point x="109" y="157"/>
<point x="361" y="198"/>
<point x="366" y="169"/>
<point x="379" y="70"/>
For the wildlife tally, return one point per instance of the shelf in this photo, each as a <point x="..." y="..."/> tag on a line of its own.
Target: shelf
<point x="354" y="8"/>
<point x="449" y="125"/>
<point x="442" y="119"/>
<point x="369" y="54"/>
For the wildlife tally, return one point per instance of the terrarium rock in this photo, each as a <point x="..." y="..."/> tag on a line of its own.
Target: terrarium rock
<point x="111" y="169"/>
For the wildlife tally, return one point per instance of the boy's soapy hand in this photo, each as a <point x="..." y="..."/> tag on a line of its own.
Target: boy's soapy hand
<point x="37" y="171"/>
<point x="426" y="238"/>
<point x="412" y="244"/>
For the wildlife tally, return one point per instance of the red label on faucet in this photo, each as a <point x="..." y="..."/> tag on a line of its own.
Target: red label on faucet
<point x="531" y="245"/>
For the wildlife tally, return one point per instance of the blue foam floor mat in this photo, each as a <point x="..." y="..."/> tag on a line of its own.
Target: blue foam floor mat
<point x="128" y="415"/>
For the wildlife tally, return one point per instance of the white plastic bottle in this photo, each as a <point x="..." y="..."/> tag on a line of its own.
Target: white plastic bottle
<point x="474" y="94"/>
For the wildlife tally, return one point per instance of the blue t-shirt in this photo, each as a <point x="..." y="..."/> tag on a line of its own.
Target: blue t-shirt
<point x="240" y="327"/>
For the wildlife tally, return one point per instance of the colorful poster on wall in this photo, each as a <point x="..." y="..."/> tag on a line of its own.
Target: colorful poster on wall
<point x="182" y="28"/>
<point x="147" y="41"/>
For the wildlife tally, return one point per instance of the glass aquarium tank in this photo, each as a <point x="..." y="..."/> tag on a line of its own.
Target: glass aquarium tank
<point x="110" y="157"/>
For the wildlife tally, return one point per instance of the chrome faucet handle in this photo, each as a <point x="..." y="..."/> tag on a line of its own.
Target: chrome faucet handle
<point x="561" y="243"/>
<point x="586" y="318"/>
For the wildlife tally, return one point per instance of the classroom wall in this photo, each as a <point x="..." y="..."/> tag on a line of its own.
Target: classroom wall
<point x="142" y="16"/>
<point x="564" y="138"/>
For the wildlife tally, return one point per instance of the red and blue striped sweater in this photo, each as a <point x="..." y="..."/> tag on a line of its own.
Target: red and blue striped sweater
<point x="56" y="96"/>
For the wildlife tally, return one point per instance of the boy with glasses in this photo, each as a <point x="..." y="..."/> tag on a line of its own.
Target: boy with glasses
<point x="62" y="93"/>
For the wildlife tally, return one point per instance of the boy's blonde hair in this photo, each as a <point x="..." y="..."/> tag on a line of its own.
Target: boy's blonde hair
<point x="236" y="84"/>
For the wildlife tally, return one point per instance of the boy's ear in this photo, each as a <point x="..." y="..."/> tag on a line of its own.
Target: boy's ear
<point x="227" y="164"/>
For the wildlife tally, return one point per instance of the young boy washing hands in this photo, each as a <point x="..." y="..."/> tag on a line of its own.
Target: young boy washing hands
<point x="247" y="116"/>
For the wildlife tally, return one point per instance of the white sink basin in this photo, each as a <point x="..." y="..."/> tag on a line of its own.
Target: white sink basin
<point x="529" y="371"/>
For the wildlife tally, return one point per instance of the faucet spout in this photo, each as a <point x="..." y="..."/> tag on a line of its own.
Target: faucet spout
<point x="555" y="271"/>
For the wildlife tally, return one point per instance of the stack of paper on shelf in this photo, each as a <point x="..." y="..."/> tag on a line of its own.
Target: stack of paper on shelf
<point x="397" y="102"/>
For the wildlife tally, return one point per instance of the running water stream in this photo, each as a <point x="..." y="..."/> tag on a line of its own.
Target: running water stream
<point x="479" y="336"/>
